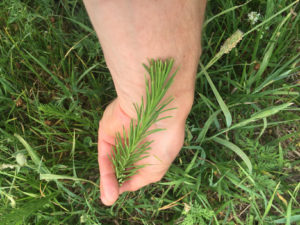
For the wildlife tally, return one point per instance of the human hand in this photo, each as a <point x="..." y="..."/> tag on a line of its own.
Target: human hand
<point x="164" y="149"/>
<point x="130" y="33"/>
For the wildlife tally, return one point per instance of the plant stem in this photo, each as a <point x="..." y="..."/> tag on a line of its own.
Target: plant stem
<point x="132" y="147"/>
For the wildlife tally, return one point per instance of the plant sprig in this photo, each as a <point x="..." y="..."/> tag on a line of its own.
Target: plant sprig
<point x="132" y="147"/>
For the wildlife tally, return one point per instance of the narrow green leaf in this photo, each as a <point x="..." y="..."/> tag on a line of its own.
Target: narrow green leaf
<point x="86" y="72"/>
<point x="259" y="115"/>
<point x="206" y="126"/>
<point x="268" y="54"/>
<point x="18" y="216"/>
<point x="222" y="104"/>
<point x="37" y="161"/>
<point x="270" y="202"/>
<point x="59" y="83"/>
<point x="293" y="219"/>
<point x="83" y="26"/>
<point x="224" y="12"/>
<point x="55" y="177"/>
<point x="289" y="212"/>
<point x="235" y="149"/>
<point x="191" y="164"/>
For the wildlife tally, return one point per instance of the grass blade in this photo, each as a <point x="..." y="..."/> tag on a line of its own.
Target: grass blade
<point x="63" y="177"/>
<point x="55" y="78"/>
<point x="37" y="161"/>
<point x="271" y="18"/>
<point x="235" y="149"/>
<point x="222" y="104"/>
<point x="270" y="203"/>
<point x="224" y="12"/>
<point x="268" y="54"/>
<point x="17" y="216"/>
<point x="293" y="219"/>
<point x="206" y="126"/>
<point x="259" y="115"/>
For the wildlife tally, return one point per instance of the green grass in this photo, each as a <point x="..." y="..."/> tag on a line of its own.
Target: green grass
<point x="240" y="161"/>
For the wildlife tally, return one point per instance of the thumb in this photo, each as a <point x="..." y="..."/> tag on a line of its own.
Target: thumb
<point x="109" y="187"/>
<point x="113" y="121"/>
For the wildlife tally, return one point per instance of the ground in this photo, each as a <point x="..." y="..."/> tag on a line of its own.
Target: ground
<point x="240" y="160"/>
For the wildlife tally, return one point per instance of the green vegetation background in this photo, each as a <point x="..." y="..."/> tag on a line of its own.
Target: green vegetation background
<point x="54" y="86"/>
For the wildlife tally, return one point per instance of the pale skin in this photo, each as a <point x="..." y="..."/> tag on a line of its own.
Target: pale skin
<point x="130" y="33"/>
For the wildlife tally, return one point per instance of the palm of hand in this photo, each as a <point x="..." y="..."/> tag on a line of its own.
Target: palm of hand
<point x="164" y="149"/>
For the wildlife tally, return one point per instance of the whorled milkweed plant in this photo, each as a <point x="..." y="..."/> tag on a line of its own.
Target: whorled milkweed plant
<point x="132" y="146"/>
